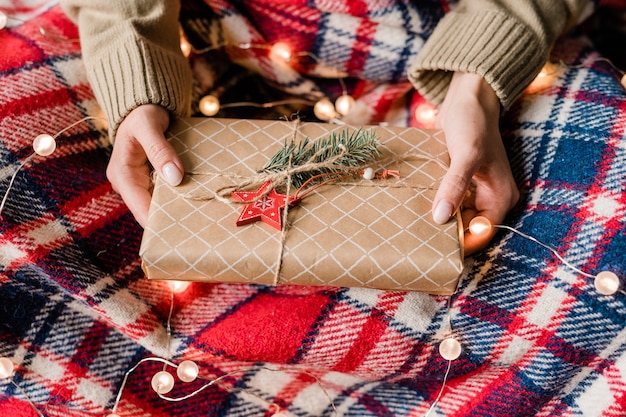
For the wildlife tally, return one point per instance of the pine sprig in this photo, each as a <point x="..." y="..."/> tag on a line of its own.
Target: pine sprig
<point x="346" y="149"/>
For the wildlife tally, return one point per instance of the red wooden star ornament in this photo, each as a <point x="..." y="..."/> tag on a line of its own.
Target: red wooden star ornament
<point x="267" y="208"/>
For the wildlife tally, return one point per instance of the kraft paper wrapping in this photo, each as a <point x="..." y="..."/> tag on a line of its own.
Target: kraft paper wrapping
<point x="354" y="233"/>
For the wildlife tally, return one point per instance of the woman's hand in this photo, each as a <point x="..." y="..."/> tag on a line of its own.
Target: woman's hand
<point x="139" y="143"/>
<point x="479" y="180"/>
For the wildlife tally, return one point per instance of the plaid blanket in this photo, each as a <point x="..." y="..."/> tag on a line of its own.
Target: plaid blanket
<point x="77" y="313"/>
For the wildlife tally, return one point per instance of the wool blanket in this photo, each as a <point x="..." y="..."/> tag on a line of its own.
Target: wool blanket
<point x="77" y="313"/>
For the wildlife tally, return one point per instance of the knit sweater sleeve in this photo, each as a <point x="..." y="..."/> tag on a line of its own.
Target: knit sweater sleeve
<point x="504" y="41"/>
<point x="131" y="51"/>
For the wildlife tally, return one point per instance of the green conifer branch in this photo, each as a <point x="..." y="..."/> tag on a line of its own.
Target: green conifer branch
<point x="359" y="148"/>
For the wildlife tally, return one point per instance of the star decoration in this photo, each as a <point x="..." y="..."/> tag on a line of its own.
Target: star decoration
<point x="267" y="208"/>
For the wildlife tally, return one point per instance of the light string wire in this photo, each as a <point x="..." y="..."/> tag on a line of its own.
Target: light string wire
<point x="4" y="17"/>
<point x="28" y="400"/>
<point x="286" y="55"/>
<point x="167" y="363"/>
<point x="449" y="366"/>
<point x="551" y="249"/>
<point x="32" y="156"/>
<point x="211" y="381"/>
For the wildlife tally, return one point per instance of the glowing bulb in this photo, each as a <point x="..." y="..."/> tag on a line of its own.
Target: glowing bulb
<point x="344" y="104"/>
<point x="178" y="286"/>
<point x="623" y="81"/>
<point x="426" y="114"/>
<point x="3" y="20"/>
<point x="209" y="105"/>
<point x="113" y="415"/>
<point x="44" y="145"/>
<point x="187" y="371"/>
<point x="450" y="349"/>
<point x="607" y="283"/>
<point x="162" y="382"/>
<point x="280" y="51"/>
<point x="544" y="78"/>
<point x="185" y="46"/>
<point x="479" y="226"/>
<point x="6" y="368"/>
<point x="324" y="110"/>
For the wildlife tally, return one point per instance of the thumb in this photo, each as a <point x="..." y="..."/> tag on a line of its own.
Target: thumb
<point x="161" y="154"/>
<point x="451" y="192"/>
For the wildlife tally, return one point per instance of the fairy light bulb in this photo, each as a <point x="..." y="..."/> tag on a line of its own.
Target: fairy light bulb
<point x="178" y="286"/>
<point x="426" y="114"/>
<point x="606" y="283"/>
<point x="450" y="349"/>
<point x="368" y="173"/>
<point x="324" y="110"/>
<point x="187" y="371"/>
<point x="113" y="415"/>
<point x="544" y="78"/>
<point x="185" y="46"/>
<point x="344" y="104"/>
<point x="209" y="105"/>
<point x="162" y="382"/>
<point x="479" y="226"/>
<point x="623" y="80"/>
<point x="280" y="51"/>
<point x="6" y="368"/>
<point x="44" y="145"/>
<point x="3" y="20"/>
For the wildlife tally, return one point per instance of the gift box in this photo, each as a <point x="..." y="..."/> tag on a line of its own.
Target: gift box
<point x="353" y="232"/>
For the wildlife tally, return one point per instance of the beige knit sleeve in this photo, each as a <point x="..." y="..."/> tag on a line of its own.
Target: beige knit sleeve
<point x="505" y="41"/>
<point x="131" y="50"/>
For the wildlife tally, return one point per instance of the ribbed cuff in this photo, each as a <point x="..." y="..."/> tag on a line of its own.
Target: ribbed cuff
<point x="133" y="72"/>
<point x="502" y="50"/>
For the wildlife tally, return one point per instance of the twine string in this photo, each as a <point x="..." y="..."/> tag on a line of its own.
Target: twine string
<point x="283" y="232"/>
<point x="278" y="179"/>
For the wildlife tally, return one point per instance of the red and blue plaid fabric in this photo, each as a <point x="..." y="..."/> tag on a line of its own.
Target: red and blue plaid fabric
<point x="76" y="312"/>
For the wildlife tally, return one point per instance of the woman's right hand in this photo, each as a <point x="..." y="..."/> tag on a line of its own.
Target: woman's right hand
<point x="140" y="145"/>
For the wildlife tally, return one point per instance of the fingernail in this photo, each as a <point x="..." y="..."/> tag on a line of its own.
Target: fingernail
<point x="172" y="174"/>
<point x="442" y="212"/>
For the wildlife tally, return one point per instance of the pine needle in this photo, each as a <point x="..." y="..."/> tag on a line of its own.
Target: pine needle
<point x="342" y="151"/>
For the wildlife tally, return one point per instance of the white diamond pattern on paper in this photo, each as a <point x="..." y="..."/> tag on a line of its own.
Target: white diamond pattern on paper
<point x="360" y="233"/>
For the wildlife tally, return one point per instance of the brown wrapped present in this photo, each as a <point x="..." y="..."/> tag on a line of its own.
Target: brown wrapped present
<point x="351" y="233"/>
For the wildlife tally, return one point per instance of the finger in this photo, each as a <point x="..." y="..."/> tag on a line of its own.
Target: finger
<point x="162" y="155"/>
<point x="131" y="179"/>
<point x="451" y="191"/>
<point x="137" y="199"/>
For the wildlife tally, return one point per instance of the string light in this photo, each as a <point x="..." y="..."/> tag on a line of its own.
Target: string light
<point x="4" y="19"/>
<point x="344" y="104"/>
<point x="281" y="52"/>
<point x="605" y="282"/>
<point x="550" y="70"/>
<point x="426" y="114"/>
<point x="450" y="349"/>
<point x="43" y="145"/>
<point x="7" y="368"/>
<point x="209" y="105"/>
<point x="187" y="371"/>
<point x="324" y="110"/>
<point x="178" y="287"/>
